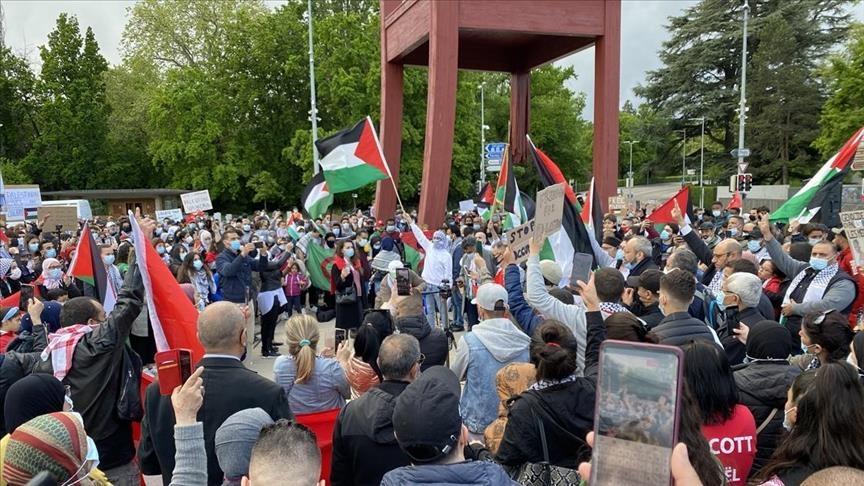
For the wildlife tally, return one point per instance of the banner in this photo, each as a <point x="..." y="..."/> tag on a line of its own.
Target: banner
<point x="519" y="238"/>
<point x="466" y="206"/>
<point x="196" y="201"/>
<point x="19" y="198"/>
<point x="549" y="211"/>
<point x="174" y="215"/>
<point x="853" y="225"/>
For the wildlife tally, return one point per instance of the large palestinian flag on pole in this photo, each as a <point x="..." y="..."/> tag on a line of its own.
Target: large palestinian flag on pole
<point x="592" y="214"/>
<point x="573" y="236"/>
<point x="508" y="196"/>
<point x="352" y="158"/>
<point x="317" y="197"/>
<point x="819" y="199"/>
<point x="88" y="267"/>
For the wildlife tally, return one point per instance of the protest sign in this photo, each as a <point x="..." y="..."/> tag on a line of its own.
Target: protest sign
<point x="549" y="210"/>
<point x="19" y="198"/>
<point x="217" y="217"/>
<point x="617" y="203"/>
<point x="174" y="215"/>
<point x="66" y="217"/>
<point x="466" y="206"/>
<point x="518" y="238"/>
<point x="853" y="224"/>
<point x="196" y="201"/>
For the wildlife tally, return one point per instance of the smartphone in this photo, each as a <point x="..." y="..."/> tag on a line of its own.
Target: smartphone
<point x="173" y="367"/>
<point x="27" y="293"/>
<point x="637" y="413"/>
<point x="403" y="281"/>
<point x="259" y="244"/>
<point x="582" y="263"/>
<point x="341" y="335"/>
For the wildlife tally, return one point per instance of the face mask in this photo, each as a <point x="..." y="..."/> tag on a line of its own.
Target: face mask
<point x="158" y="232"/>
<point x="349" y="252"/>
<point x="377" y="246"/>
<point x="55" y="274"/>
<point x="206" y="242"/>
<point x="814" y="241"/>
<point x="619" y="255"/>
<point x="108" y="259"/>
<point x="716" y="213"/>
<point x="818" y="264"/>
<point x="198" y="264"/>
<point x="50" y="253"/>
<point x="183" y="256"/>
<point x="733" y="232"/>
<point x="188" y="240"/>
<point x="362" y="242"/>
<point x="15" y="274"/>
<point x="246" y="228"/>
<point x="629" y="265"/>
<point x="391" y="229"/>
<point x="753" y="246"/>
<point x="33" y="247"/>
<point x="346" y="226"/>
<point x="787" y="424"/>
<point x="476" y="227"/>
<point x="235" y="245"/>
<point x="337" y="231"/>
<point x="331" y="243"/>
<point x="664" y="235"/>
<point x="719" y="297"/>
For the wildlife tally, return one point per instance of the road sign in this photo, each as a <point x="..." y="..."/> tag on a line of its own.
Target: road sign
<point x="744" y="152"/>
<point x="742" y="166"/>
<point x="494" y="155"/>
<point x="496" y="148"/>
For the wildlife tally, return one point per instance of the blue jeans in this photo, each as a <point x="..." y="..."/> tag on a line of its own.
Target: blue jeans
<point x="431" y="303"/>
<point x="456" y="298"/>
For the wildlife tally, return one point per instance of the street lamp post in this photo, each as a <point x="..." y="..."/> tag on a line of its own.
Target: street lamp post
<point x="683" y="157"/>
<point x="313" y="112"/>
<point x="483" y="128"/>
<point x="701" y="120"/>
<point x="742" y="108"/>
<point x="630" y="173"/>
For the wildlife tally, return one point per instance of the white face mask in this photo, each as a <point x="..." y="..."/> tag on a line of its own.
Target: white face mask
<point x="787" y="424"/>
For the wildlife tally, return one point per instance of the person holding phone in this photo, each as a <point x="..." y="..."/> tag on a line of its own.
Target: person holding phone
<point x="347" y="284"/>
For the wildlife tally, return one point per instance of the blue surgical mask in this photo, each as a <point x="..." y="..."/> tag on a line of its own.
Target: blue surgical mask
<point x="818" y="264"/>
<point x="754" y="246"/>
<point x="235" y="245"/>
<point x="733" y="232"/>
<point x="814" y="241"/>
<point x="50" y="253"/>
<point x="629" y="265"/>
<point x="160" y="250"/>
<point x="33" y="247"/>
<point x="664" y="235"/>
<point x="246" y="228"/>
<point x="55" y="274"/>
<point x="349" y="252"/>
<point x="108" y="259"/>
<point x="183" y="256"/>
<point x="719" y="297"/>
<point x="198" y="264"/>
<point x="619" y="255"/>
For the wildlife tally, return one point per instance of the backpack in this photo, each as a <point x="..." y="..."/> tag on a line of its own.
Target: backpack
<point x="129" y="406"/>
<point x="24" y="342"/>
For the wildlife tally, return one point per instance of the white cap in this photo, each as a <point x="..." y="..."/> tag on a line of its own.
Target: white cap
<point x="488" y="295"/>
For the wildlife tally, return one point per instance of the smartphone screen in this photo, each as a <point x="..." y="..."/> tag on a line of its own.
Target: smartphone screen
<point x="341" y="335"/>
<point x="26" y="295"/>
<point x="582" y="263"/>
<point x="185" y="365"/>
<point x="636" y="417"/>
<point x="403" y="281"/>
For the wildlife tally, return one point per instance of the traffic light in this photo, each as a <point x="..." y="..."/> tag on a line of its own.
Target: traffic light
<point x="741" y="182"/>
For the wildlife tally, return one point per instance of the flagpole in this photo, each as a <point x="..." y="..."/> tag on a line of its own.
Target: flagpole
<point x="386" y="165"/>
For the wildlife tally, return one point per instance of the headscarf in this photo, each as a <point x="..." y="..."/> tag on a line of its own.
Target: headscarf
<point x="55" y="443"/>
<point x="234" y="441"/>
<point x="387" y="244"/>
<point x="50" y="317"/>
<point x="439" y="241"/>
<point x="768" y="340"/>
<point x="48" y="282"/>
<point x="32" y="396"/>
<point x="5" y="266"/>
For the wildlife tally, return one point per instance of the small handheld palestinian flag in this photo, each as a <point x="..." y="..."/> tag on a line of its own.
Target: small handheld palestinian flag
<point x="352" y="158"/>
<point x="88" y="267"/>
<point x="317" y="197"/>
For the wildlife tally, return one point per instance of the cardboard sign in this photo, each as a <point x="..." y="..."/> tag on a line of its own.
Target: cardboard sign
<point x="617" y="203"/>
<point x="173" y="215"/>
<point x="196" y="201"/>
<point x="518" y="238"/>
<point x="549" y="210"/>
<point x="19" y="198"/>
<point x="64" y="216"/>
<point x="853" y="224"/>
<point x="466" y="206"/>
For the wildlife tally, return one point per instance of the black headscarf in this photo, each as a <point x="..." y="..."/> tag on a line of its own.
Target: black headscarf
<point x="858" y="346"/>
<point x="32" y="396"/>
<point x="768" y="340"/>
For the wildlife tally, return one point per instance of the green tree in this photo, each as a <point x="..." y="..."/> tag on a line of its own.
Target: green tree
<point x="18" y="106"/>
<point x="68" y="152"/>
<point x="843" y="112"/>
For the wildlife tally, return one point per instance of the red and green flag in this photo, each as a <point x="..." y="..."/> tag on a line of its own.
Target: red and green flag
<point x="88" y="267"/>
<point x="507" y="195"/>
<point x="319" y="261"/>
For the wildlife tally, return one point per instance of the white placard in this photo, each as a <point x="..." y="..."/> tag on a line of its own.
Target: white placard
<point x="174" y="215"/>
<point x="853" y="225"/>
<point x="519" y="238"/>
<point x="466" y="206"/>
<point x="550" y="210"/>
<point x="196" y="201"/>
<point x="19" y="198"/>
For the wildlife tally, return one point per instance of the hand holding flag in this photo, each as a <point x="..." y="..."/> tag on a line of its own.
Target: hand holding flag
<point x="678" y="216"/>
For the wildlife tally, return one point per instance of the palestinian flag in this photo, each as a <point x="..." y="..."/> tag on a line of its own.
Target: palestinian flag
<point x="663" y="213"/>
<point x="487" y="195"/>
<point x="318" y="263"/>
<point x="352" y="158"/>
<point x="819" y="199"/>
<point x="87" y="266"/>
<point x="317" y="197"/>
<point x="174" y="320"/>
<point x="507" y="195"/>
<point x="31" y="214"/>
<point x="414" y="254"/>
<point x="592" y="214"/>
<point x="573" y="236"/>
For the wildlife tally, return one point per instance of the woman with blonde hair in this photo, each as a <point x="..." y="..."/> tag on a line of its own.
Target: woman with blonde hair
<point x="312" y="382"/>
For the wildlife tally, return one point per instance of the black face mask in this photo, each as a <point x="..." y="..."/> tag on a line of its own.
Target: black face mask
<point x="331" y="243"/>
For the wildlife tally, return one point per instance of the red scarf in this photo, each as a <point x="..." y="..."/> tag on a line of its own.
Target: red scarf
<point x="339" y="262"/>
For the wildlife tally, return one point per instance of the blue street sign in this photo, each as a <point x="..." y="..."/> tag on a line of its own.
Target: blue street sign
<point x="496" y="148"/>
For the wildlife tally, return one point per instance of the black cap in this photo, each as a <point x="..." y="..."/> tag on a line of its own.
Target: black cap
<point x="706" y="226"/>
<point x="426" y="417"/>
<point x="766" y="341"/>
<point x="649" y="280"/>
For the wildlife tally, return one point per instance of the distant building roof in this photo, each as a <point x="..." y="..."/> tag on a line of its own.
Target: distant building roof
<point x="114" y="193"/>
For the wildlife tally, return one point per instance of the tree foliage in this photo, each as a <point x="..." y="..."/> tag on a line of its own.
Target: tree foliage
<point x="843" y="112"/>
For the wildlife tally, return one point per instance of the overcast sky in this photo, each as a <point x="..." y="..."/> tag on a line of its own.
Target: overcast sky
<point x="28" y="23"/>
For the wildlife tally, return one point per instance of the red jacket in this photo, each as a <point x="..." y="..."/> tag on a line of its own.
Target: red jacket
<point x="846" y="263"/>
<point x="734" y="444"/>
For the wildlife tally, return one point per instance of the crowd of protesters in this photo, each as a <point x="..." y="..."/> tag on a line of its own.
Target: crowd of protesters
<point x="482" y="371"/>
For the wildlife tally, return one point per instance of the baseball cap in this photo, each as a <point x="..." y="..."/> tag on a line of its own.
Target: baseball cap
<point x="706" y="226"/>
<point x="551" y="271"/>
<point x="649" y="280"/>
<point x="488" y="296"/>
<point x="426" y="418"/>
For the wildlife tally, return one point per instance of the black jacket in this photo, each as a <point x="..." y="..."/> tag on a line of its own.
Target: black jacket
<point x="651" y="315"/>
<point x="364" y="446"/>
<point x="762" y="387"/>
<point x="703" y="253"/>
<point x="433" y="341"/>
<point x="14" y="366"/>
<point x="271" y="271"/>
<point x="679" y="328"/>
<point x="735" y="349"/>
<point x="645" y="264"/>
<point x="566" y="411"/>
<point x="228" y="387"/>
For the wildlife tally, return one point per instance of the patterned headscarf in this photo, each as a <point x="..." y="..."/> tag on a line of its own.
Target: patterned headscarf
<point x="47" y="281"/>
<point x="55" y="443"/>
<point x="5" y="266"/>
